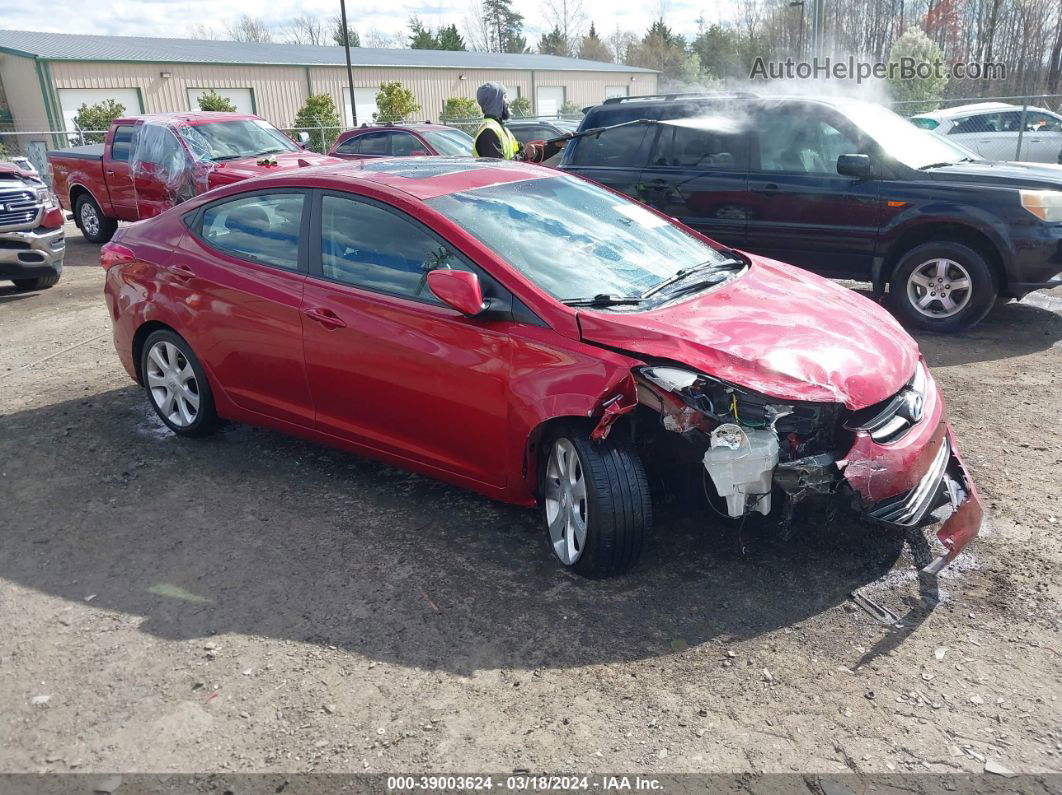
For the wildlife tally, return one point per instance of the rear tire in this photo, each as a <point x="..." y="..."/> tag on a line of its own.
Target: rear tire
<point x="40" y="283"/>
<point x="595" y="501"/>
<point x="942" y="286"/>
<point x="177" y="386"/>
<point x="94" y="225"/>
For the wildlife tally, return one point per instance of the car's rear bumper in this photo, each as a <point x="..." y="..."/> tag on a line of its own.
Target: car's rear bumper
<point x="29" y="255"/>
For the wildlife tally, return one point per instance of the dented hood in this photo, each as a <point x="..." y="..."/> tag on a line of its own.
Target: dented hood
<point x="229" y="171"/>
<point x="776" y="330"/>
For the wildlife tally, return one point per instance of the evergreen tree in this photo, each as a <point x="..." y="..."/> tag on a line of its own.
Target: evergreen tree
<point x="553" y="43"/>
<point x="420" y="36"/>
<point x="449" y="39"/>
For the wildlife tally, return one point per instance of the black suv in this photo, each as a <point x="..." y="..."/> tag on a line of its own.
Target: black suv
<point x="847" y="189"/>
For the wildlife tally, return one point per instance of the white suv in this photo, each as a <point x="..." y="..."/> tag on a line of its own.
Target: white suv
<point x="991" y="129"/>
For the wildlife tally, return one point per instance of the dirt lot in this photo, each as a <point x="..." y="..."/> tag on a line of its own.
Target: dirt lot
<point x="253" y="602"/>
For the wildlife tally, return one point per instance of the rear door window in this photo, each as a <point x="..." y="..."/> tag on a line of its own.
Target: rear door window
<point x="263" y="228"/>
<point x="122" y="142"/>
<point x="373" y="143"/>
<point x="695" y="147"/>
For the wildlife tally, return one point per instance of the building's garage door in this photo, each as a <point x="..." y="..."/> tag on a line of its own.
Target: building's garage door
<point x="73" y="98"/>
<point x="616" y="91"/>
<point x="366" y="105"/>
<point x="240" y="97"/>
<point x="548" y="100"/>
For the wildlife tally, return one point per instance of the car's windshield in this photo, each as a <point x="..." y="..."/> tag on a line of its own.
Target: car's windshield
<point x="901" y="139"/>
<point x="452" y="143"/>
<point x="576" y="240"/>
<point x="228" y="140"/>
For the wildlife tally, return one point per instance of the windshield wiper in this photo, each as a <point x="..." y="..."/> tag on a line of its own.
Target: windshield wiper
<point x="603" y="299"/>
<point x="679" y="275"/>
<point x="936" y="165"/>
<point x="267" y="152"/>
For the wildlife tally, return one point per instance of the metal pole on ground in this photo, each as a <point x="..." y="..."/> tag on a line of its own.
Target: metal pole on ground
<point x="1021" y="127"/>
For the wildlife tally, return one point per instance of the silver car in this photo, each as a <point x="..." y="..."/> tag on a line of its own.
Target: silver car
<point x="992" y="130"/>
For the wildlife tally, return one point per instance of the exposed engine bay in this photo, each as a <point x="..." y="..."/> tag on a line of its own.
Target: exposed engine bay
<point x="893" y="463"/>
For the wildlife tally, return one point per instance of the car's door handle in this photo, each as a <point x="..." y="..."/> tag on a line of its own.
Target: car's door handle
<point x="770" y="189"/>
<point x="326" y="317"/>
<point x="182" y="271"/>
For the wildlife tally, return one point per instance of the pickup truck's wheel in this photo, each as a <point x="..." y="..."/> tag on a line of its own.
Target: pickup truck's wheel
<point x="95" y="226"/>
<point x="595" y="502"/>
<point x="177" y="386"/>
<point x="943" y="286"/>
<point x="40" y="283"/>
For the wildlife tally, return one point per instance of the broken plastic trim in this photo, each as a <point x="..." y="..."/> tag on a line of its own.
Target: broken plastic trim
<point x="891" y="419"/>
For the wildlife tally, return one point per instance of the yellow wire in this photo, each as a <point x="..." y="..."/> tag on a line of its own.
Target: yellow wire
<point x="733" y="407"/>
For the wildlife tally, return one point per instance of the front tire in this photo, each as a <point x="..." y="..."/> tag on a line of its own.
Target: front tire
<point x="177" y="386"/>
<point x="943" y="286"/>
<point x="595" y="502"/>
<point x="40" y="283"/>
<point x="94" y="225"/>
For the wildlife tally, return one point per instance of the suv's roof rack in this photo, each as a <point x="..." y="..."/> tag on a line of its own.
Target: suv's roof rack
<point x="680" y="95"/>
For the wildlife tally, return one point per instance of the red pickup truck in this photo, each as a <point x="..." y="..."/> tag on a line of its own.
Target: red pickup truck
<point x="148" y="164"/>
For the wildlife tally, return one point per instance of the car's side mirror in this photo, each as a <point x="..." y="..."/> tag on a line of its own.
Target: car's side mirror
<point x="457" y="289"/>
<point x="857" y="166"/>
<point x="303" y="138"/>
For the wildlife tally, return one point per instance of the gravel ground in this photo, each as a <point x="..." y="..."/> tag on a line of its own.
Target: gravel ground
<point x="252" y="602"/>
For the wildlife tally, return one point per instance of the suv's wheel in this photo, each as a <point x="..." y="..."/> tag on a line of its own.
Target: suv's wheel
<point x="942" y="286"/>
<point x="595" y="500"/>
<point x="40" y="283"/>
<point x="177" y="385"/>
<point x="94" y="225"/>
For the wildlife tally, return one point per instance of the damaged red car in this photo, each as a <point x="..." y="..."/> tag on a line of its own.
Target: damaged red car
<point x="540" y="340"/>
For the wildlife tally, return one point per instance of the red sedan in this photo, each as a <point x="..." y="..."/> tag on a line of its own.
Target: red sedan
<point x="402" y="140"/>
<point x="538" y="339"/>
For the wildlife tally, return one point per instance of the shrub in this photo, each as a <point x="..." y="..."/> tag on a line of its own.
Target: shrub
<point x="97" y="117"/>
<point x="520" y="108"/>
<point x="212" y="100"/>
<point x="394" y="102"/>
<point x="460" y="108"/>
<point x="319" y="112"/>
<point x="569" y="108"/>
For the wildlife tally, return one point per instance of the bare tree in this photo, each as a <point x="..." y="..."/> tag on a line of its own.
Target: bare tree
<point x="248" y="28"/>
<point x="306" y="29"/>
<point x="619" y="42"/>
<point x="203" y="32"/>
<point x="568" y="17"/>
<point x="374" y="37"/>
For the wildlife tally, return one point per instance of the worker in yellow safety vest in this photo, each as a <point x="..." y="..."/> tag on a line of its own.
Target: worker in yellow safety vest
<point x="492" y="137"/>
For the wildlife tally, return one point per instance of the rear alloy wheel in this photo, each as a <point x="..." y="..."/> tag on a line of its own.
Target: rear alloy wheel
<point x="945" y="287"/>
<point x="94" y="225"/>
<point x="595" y="501"/>
<point x="177" y="386"/>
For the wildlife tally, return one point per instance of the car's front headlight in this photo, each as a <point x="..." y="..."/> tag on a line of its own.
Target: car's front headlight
<point x="1044" y="204"/>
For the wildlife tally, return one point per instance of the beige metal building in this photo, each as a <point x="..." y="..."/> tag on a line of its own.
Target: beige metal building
<point x="46" y="77"/>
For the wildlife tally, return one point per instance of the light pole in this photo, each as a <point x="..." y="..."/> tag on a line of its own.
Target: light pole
<point x="350" y="72"/>
<point x="794" y="4"/>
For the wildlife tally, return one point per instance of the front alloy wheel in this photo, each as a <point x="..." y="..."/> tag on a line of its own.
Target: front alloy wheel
<point x="939" y="288"/>
<point x="565" y="502"/>
<point x="942" y="286"/>
<point x="595" y="501"/>
<point x="177" y="385"/>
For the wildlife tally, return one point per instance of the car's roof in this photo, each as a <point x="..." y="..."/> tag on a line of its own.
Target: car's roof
<point x="190" y="117"/>
<point x="424" y="177"/>
<point x="419" y="126"/>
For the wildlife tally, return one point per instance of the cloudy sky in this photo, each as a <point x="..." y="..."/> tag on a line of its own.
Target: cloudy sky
<point x="176" y="18"/>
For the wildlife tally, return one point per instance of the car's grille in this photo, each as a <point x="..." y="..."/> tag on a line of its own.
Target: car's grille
<point x="18" y="208"/>
<point x="889" y="420"/>
<point x="908" y="509"/>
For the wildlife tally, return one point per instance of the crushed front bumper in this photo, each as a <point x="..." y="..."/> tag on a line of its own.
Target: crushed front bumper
<point x="917" y="481"/>
<point x="31" y="254"/>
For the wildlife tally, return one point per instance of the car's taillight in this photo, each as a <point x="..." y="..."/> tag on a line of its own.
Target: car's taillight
<point x="53" y="218"/>
<point x="114" y="254"/>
